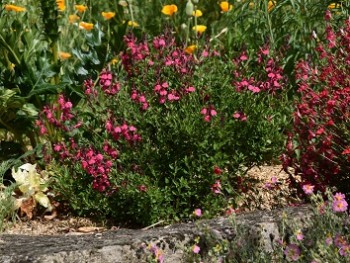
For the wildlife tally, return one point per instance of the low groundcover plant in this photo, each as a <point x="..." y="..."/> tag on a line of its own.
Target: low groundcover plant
<point x="324" y="238"/>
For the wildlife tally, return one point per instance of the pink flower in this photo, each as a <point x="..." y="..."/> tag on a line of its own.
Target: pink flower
<point x="308" y="189"/>
<point x="339" y="197"/>
<point x="216" y="187"/>
<point x="204" y="111"/>
<point x="190" y="89"/>
<point x="339" y="206"/>
<point x="292" y="252"/>
<point x="217" y="170"/>
<point x="197" y="212"/>
<point x="196" y="249"/>
<point x="236" y="115"/>
<point x="299" y="235"/>
<point x="344" y="250"/>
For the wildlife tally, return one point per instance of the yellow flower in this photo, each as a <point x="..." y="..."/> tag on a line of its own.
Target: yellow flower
<point x="190" y="49"/>
<point x="199" y="28"/>
<point x="225" y="6"/>
<point x="108" y="15"/>
<point x="64" y="55"/>
<point x="333" y="5"/>
<point x="73" y="18"/>
<point x="14" y="8"/>
<point x="169" y="10"/>
<point x="133" y="24"/>
<point x="197" y="13"/>
<point x="251" y="5"/>
<point x="271" y="5"/>
<point x="81" y="8"/>
<point x="61" y="5"/>
<point x="86" y="26"/>
<point x="114" y="61"/>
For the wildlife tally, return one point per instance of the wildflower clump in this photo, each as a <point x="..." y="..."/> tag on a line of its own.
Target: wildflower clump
<point x="316" y="147"/>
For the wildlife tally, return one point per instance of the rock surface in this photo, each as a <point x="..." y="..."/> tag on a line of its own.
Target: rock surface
<point x="127" y="245"/>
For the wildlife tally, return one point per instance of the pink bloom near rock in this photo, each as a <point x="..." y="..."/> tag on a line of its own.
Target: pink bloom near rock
<point x="196" y="249"/>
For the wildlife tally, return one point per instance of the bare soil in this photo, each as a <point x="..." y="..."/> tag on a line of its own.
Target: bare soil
<point x="269" y="191"/>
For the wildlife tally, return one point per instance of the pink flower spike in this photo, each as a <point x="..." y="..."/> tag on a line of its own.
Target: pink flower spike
<point x="197" y="212"/>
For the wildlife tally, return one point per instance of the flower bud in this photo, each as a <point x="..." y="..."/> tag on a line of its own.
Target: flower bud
<point x="183" y="26"/>
<point x="189" y="8"/>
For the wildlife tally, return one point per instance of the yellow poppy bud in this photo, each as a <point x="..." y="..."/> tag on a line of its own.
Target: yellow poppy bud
<point x="169" y="10"/>
<point x="73" y="18"/>
<point x="86" y="26"/>
<point x="108" y="15"/>
<point x="199" y="28"/>
<point x="64" y="55"/>
<point x="225" y="6"/>
<point x="197" y="13"/>
<point x="189" y="8"/>
<point x="14" y="8"/>
<point x="81" y="8"/>
<point x="61" y="5"/>
<point x="190" y="49"/>
<point x="133" y="24"/>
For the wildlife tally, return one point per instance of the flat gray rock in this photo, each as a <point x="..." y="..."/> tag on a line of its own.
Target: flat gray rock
<point x="127" y="245"/>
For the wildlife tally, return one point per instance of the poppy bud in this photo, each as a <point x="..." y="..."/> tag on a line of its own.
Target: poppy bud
<point x="189" y="8"/>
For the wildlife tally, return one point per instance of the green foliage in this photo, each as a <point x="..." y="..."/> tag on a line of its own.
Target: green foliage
<point x="170" y="171"/>
<point x="7" y="204"/>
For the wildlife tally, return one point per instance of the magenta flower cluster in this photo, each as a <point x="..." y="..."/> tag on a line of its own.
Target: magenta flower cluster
<point x="269" y="79"/>
<point x="57" y="115"/>
<point x="96" y="165"/>
<point x="128" y="132"/>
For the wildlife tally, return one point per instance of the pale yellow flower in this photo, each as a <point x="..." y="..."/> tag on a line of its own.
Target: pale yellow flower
<point x="190" y="49"/>
<point x="169" y="10"/>
<point x="64" y="55"/>
<point x="86" y="26"/>
<point x="199" y="28"/>
<point x="133" y="24"/>
<point x="61" y="4"/>
<point x="73" y="18"/>
<point x="14" y="8"/>
<point x="197" y="13"/>
<point x="108" y="15"/>
<point x="81" y="8"/>
<point x="225" y="6"/>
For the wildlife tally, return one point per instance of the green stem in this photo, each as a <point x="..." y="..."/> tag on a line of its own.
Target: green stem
<point x="54" y="50"/>
<point x="195" y="24"/>
<point x="267" y="13"/>
<point x="131" y="12"/>
<point x="3" y="42"/>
